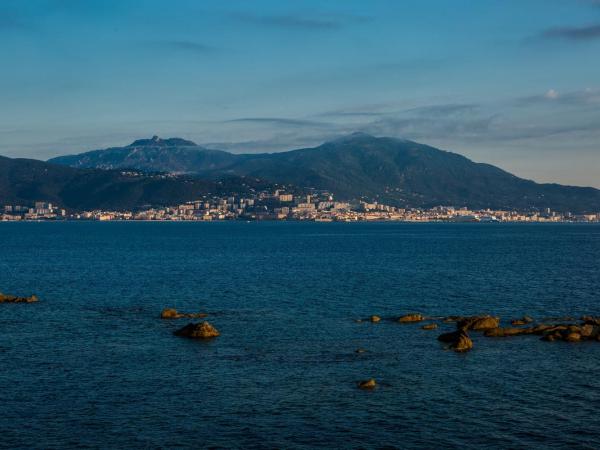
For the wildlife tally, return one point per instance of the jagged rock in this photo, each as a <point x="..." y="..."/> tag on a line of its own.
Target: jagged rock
<point x="463" y="343"/>
<point x="202" y="330"/>
<point x="429" y="326"/>
<point x="375" y="319"/>
<point x="573" y="336"/>
<point x="525" y="320"/>
<point x="367" y="384"/>
<point x="478" y="323"/>
<point x="171" y="313"/>
<point x="14" y="299"/>
<point x="459" y="340"/>
<point x="409" y="318"/>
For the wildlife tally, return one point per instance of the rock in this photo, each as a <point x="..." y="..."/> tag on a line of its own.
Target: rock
<point x="587" y="331"/>
<point x="409" y="318"/>
<point x="367" y="384"/>
<point x="508" y="331"/>
<point x="429" y="326"/>
<point x="459" y="340"/>
<point x="462" y="344"/>
<point x="541" y="328"/>
<point x="202" y="330"/>
<point x="478" y="323"/>
<point x="360" y="350"/>
<point x="14" y="299"/>
<point x="171" y="313"/>
<point x="526" y="320"/>
<point x="375" y="319"/>
<point x="573" y="337"/>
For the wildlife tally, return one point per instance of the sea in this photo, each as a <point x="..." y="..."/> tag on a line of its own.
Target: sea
<point x="93" y="366"/>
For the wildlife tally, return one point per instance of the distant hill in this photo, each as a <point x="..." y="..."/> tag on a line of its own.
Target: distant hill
<point x="23" y="181"/>
<point x="399" y="172"/>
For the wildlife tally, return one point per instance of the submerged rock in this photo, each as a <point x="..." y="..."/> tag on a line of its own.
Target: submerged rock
<point x="367" y="384"/>
<point x="430" y="326"/>
<point x="14" y="299"/>
<point x="409" y="318"/>
<point x="171" y="313"/>
<point x="202" y="330"/>
<point x="360" y="350"/>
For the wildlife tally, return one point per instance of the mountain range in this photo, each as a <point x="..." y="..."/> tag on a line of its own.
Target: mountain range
<point x="358" y="166"/>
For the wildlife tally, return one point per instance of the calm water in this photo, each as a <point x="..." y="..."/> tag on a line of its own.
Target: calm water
<point x="91" y="365"/>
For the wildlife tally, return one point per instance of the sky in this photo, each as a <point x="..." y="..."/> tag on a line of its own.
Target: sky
<point x="514" y="83"/>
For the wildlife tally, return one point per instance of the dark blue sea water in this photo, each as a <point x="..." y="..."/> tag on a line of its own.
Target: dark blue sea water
<point x="92" y="365"/>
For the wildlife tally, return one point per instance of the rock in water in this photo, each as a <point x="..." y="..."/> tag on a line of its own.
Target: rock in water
<point x="375" y="319"/>
<point x="462" y="344"/>
<point x="408" y="318"/>
<point x="430" y="326"/>
<point x="171" y="313"/>
<point x="367" y="384"/>
<point x="14" y="299"/>
<point x="478" y="323"/>
<point x="202" y="330"/>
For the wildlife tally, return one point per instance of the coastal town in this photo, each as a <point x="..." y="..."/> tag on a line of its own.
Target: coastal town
<point x="281" y="205"/>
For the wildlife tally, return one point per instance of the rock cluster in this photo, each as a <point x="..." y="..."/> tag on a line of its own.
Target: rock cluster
<point x="14" y="299"/>
<point x="202" y="330"/>
<point x="171" y="313"/>
<point x="587" y="328"/>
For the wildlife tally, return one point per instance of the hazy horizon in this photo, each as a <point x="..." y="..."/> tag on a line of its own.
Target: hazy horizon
<point x="509" y="83"/>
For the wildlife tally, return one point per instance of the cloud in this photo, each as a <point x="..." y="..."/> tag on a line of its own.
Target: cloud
<point x="552" y="96"/>
<point x="313" y="22"/>
<point x="278" y="121"/>
<point x="583" y="33"/>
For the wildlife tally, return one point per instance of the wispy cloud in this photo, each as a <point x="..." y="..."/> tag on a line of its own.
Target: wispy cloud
<point x="552" y="96"/>
<point x="581" y="33"/>
<point x="278" y="121"/>
<point x="314" y="22"/>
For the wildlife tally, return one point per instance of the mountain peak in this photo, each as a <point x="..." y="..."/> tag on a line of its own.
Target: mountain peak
<point x="156" y="141"/>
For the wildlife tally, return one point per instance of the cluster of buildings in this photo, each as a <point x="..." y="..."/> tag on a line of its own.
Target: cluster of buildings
<point x="280" y="205"/>
<point x="39" y="211"/>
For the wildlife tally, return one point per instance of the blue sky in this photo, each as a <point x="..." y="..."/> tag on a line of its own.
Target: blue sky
<point x="515" y="83"/>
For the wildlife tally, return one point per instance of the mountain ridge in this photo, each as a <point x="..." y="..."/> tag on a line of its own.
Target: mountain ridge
<point x="357" y="166"/>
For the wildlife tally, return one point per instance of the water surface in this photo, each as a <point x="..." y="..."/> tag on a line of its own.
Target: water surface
<point x="91" y="365"/>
